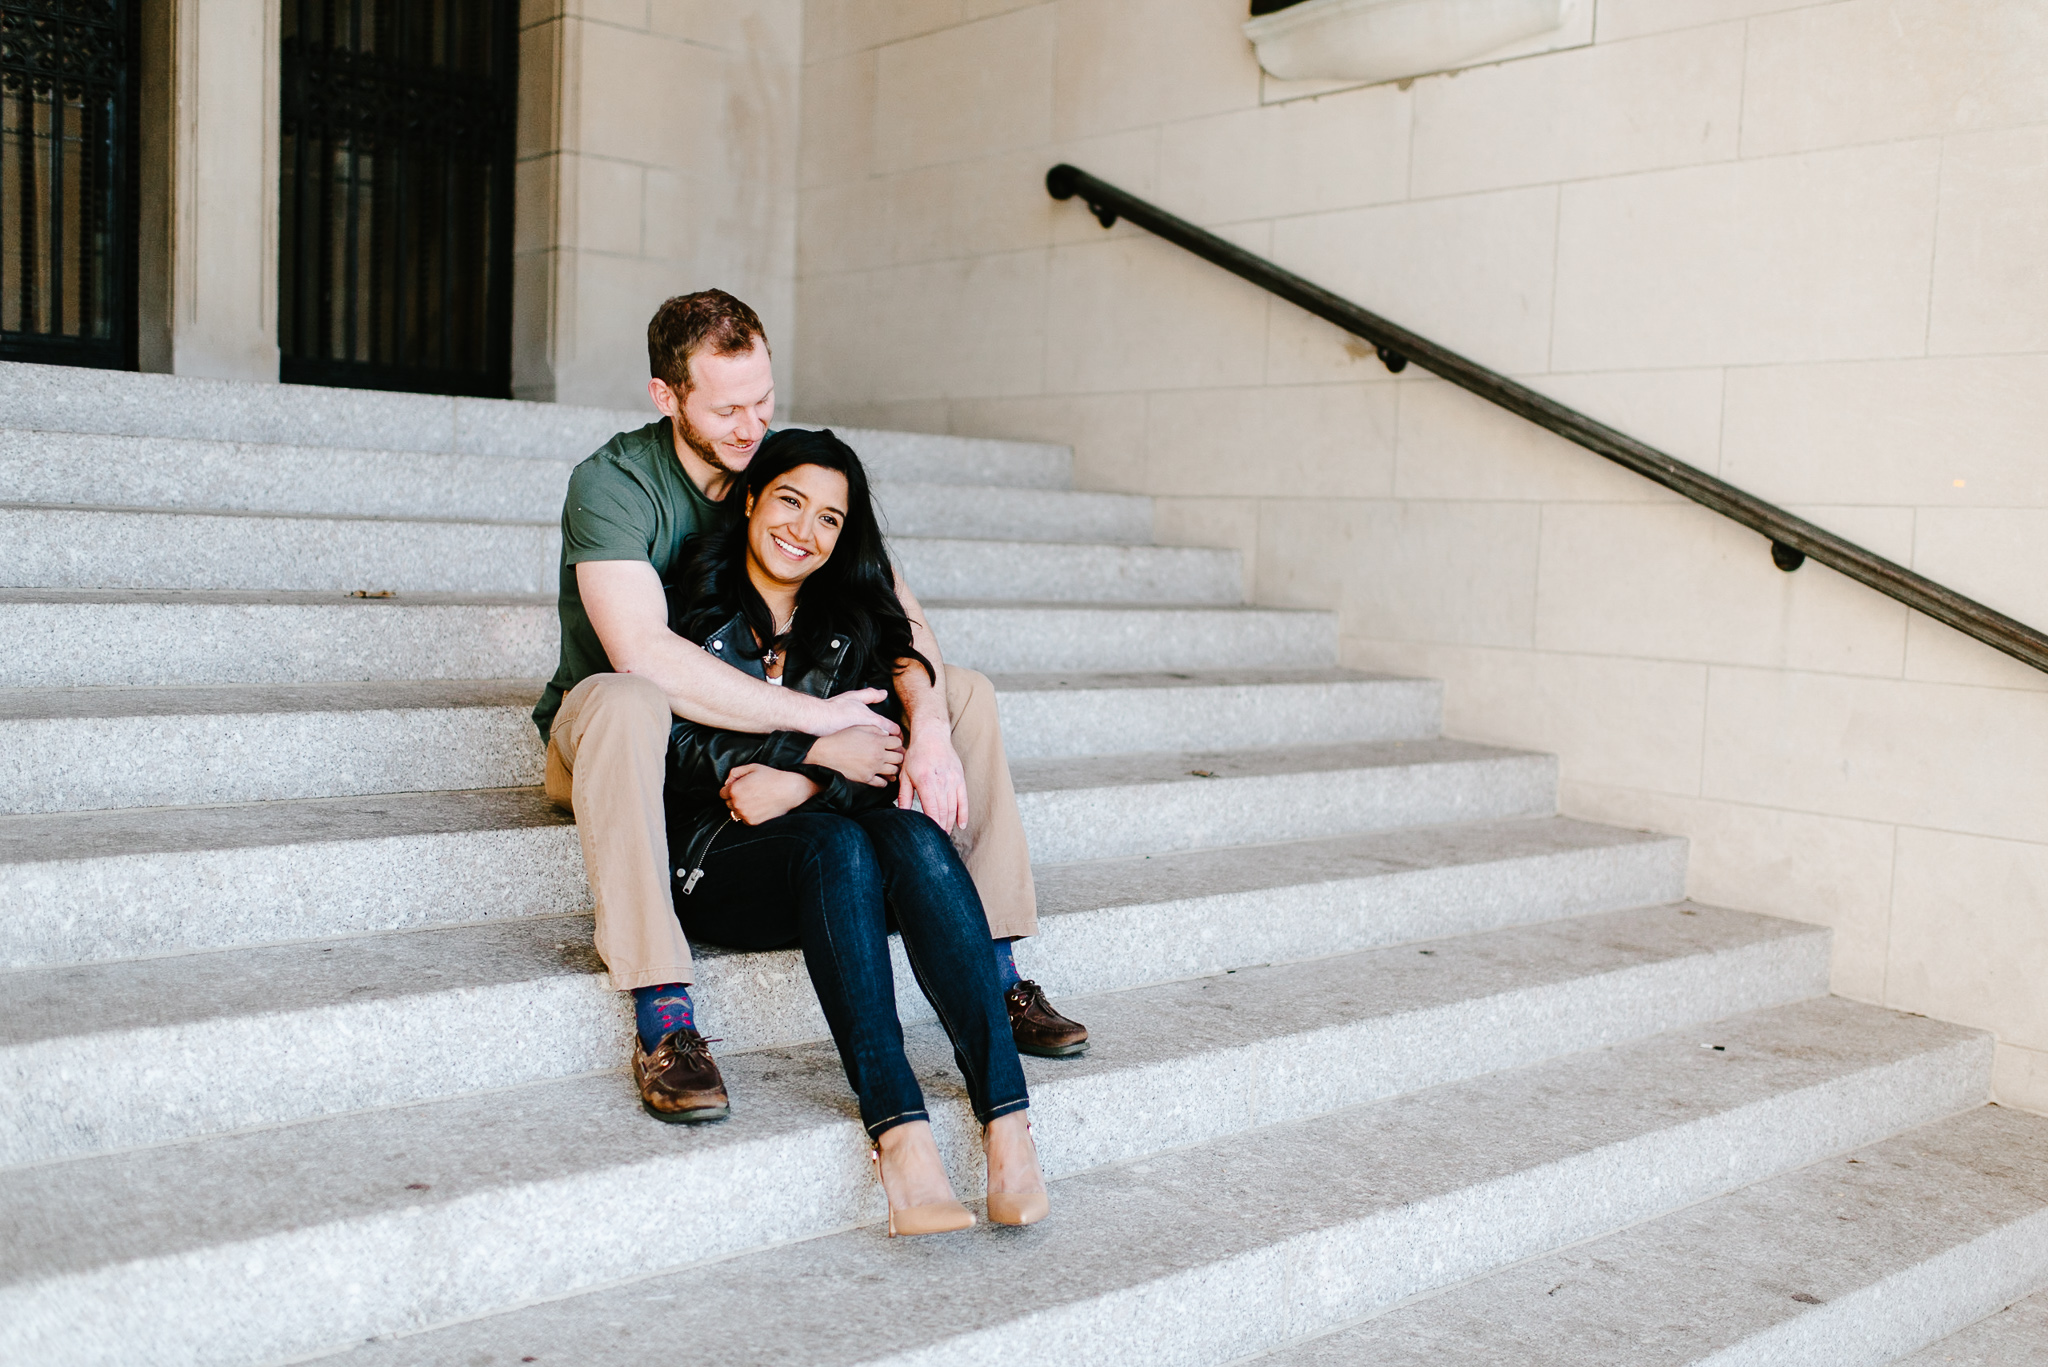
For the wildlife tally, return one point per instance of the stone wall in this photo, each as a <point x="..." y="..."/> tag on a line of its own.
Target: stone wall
<point x="657" y="155"/>
<point x="1795" y="243"/>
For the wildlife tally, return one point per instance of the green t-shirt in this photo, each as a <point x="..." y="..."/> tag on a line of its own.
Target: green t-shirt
<point x="631" y="500"/>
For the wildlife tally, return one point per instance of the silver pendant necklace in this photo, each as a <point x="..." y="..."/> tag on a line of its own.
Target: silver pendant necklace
<point x="771" y="655"/>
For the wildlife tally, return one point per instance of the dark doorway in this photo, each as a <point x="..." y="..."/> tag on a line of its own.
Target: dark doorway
<point x="67" y="192"/>
<point x="395" y="235"/>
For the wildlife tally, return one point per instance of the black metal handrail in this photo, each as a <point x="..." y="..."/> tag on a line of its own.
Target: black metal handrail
<point x="1792" y="539"/>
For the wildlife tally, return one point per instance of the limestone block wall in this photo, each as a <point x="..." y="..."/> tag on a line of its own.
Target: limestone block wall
<point x="657" y="155"/>
<point x="1798" y="244"/>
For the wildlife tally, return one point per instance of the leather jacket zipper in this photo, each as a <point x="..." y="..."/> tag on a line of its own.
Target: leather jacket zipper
<point x="703" y="851"/>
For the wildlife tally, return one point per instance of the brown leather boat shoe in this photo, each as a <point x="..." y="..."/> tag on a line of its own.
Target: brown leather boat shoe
<point x="1037" y="1028"/>
<point x="678" y="1081"/>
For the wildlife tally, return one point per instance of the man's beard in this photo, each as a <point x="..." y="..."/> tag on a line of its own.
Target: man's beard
<point x="704" y="449"/>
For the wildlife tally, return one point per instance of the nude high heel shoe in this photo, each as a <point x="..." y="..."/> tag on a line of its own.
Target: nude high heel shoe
<point x="940" y="1217"/>
<point x="1016" y="1208"/>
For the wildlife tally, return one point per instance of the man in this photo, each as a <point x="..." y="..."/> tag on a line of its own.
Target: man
<point x="624" y="676"/>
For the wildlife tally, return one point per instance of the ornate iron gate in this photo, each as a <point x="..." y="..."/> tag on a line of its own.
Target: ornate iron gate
<point x="396" y="231"/>
<point x="67" y="194"/>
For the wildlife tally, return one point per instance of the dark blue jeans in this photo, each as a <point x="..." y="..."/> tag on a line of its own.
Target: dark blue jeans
<point x="835" y="885"/>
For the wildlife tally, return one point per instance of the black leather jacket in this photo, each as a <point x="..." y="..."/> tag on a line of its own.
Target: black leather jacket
<point x="701" y="757"/>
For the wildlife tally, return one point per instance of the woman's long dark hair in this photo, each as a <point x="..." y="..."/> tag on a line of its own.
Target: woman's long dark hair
<point x="852" y="595"/>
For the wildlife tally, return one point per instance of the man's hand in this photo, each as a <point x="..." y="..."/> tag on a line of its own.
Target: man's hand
<point x="931" y="772"/>
<point x="851" y="709"/>
<point x="629" y="611"/>
<point x="865" y="754"/>
<point x="931" y="767"/>
<point x="757" y="793"/>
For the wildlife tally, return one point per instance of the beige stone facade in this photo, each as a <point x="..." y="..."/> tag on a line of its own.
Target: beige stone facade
<point x="657" y="154"/>
<point x="1794" y="243"/>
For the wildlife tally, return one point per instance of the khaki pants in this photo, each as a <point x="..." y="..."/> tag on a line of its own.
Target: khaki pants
<point x="607" y="757"/>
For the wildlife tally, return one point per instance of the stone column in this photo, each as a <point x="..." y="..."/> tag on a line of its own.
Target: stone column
<point x="209" y="270"/>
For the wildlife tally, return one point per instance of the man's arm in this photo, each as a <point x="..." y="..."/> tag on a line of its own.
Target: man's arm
<point x="629" y="611"/>
<point x="931" y="767"/>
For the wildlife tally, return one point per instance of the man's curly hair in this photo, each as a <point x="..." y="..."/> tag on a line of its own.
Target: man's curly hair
<point x="709" y="320"/>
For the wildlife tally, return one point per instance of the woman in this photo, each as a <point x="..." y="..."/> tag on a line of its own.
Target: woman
<point x="784" y="839"/>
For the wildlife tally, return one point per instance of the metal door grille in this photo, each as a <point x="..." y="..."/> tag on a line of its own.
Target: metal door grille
<point x="396" y="230"/>
<point x="67" y="254"/>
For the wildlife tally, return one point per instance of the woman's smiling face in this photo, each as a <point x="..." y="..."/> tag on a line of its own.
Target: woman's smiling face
<point x="794" y="524"/>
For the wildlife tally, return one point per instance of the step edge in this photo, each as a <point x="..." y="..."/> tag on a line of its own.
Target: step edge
<point x="1638" y="844"/>
<point x="1597" y="1164"/>
<point x="1054" y="927"/>
<point x="1794" y="960"/>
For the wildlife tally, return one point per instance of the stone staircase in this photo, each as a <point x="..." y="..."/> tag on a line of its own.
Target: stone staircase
<point x="303" y="1051"/>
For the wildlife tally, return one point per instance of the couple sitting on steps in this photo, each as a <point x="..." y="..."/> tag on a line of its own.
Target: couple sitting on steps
<point x="747" y="703"/>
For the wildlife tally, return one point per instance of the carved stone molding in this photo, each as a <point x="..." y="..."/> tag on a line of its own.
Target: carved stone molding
<point x="1389" y="40"/>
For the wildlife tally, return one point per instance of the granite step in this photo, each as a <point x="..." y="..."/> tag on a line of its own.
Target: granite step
<point x="1068" y="573"/>
<point x="266" y="1244"/>
<point x="94" y="748"/>
<point x="1105" y="806"/>
<point x="260" y="1035"/>
<point x="128" y="882"/>
<point x="987" y="513"/>
<point x="41" y="398"/>
<point x="88" y="469"/>
<point x="1090" y="808"/>
<point x="88" y="637"/>
<point x="1210" y="1254"/>
<point x="84" y="886"/>
<point x="44" y="398"/>
<point x="139" y="548"/>
<point x="91" y="637"/>
<point x="1859" y="1258"/>
<point x="84" y="749"/>
<point x="1025" y="637"/>
<point x="97" y="470"/>
<point x="1060" y="715"/>
<point x="1204" y="1254"/>
<point x="2015" y="1336"/>
<point x="929" y="458"/>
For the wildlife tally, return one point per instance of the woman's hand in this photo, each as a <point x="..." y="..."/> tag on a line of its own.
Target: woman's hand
<point x="757" y="793"/>
<point x="864" y="754"/>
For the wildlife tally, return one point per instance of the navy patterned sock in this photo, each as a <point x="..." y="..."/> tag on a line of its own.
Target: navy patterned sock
<point x="660" y="1011"/>
<point x="1006" y="966"/>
